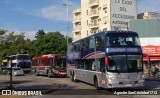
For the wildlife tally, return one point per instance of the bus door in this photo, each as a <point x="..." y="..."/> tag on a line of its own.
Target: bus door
<point x="101" y="69"/>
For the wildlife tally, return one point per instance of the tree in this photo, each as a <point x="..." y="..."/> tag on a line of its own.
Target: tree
<point x="51" y="43"/>
<point x="2" y="31"/>
<point x="40" y="33"/>
<point x="12" y="44"/>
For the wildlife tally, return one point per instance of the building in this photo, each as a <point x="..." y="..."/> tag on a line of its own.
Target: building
<point x="149" y="15"/>
<point x="149" y="33"/>
<point x="148" y="30"/>
<point x="101" y="15"/>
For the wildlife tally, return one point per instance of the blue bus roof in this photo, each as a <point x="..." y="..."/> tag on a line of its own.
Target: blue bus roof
<point x="111" y="31"/>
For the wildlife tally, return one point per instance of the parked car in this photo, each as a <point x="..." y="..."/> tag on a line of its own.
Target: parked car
<point x="16" y="71"/>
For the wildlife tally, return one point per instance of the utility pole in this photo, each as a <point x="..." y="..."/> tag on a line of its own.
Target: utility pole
<point x="67" y="5"/>
<point x="10" y="71"/>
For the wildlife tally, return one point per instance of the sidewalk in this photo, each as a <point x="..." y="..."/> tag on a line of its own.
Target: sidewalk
<point x="4" y="85"/>
<point x="153" y="79"/>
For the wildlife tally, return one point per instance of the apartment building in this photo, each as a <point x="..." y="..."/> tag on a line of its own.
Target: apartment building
<point x="149" y="15"/>
<point x="101" y="15"/>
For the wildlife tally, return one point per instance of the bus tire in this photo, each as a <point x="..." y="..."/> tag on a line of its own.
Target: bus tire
<point x="74" y="78"/>
<point x="96" y="83"/>
<point x="37" y="74"/>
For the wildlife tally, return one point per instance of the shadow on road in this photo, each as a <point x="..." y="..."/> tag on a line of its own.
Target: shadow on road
<point x="17" y="82"/>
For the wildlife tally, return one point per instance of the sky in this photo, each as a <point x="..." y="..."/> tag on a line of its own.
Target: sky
<point x="29" y="16"/>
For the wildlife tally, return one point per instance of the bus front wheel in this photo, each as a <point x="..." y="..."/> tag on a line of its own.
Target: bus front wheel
<point x="37" y="73"/>
<point x="96" y="83"/>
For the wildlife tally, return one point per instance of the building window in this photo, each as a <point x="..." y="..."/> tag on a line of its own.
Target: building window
<point x="105" y="19"/>
<point x="87" y="12"/>
<point x="105" y="8"/>
<point x="87" y="22"/>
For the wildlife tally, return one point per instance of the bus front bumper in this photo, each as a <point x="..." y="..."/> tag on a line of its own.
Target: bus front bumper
<point x="128" y="84"/>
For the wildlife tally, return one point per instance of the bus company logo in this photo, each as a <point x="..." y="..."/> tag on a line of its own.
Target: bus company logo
<point x="122" y="50"/>
<point x="116" y="50"/>
<point x="81" y="73"/>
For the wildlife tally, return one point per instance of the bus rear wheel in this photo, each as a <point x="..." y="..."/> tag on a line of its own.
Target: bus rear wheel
<point x="73" y="78"/>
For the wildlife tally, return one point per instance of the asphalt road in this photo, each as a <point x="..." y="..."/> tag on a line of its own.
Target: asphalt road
<point x="60" y="87"/>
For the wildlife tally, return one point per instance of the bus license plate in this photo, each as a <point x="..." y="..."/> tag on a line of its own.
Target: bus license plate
<point x="128" y="85"/>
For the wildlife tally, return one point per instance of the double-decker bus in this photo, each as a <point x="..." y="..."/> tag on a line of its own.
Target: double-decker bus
<point x="111" y="59"/>
<point x="21" y="60"/>
<point x="50" y="65"/>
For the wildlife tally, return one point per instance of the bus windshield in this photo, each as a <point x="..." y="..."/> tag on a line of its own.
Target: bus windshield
<point x="24" y="64"/>
<point x="122" y="39"/>
<point x="125" y="63"/>
<point x="23" y="57"/>
<point x="60" y="64"/>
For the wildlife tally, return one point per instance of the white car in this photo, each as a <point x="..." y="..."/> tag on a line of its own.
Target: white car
<point x="17" y="71"/>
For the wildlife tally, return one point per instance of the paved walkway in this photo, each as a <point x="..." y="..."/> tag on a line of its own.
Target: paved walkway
<point x="153" y="79"/>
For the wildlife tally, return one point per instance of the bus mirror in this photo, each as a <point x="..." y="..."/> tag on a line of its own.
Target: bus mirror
<point x="106" y="60"/>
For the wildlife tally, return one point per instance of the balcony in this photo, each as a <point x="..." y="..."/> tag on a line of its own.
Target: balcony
<point x="94" y="25"/>
<point x="94" y="13"/>
<point x="77" y="20"/>
<point x="77" y="11"/>
<point x="77" y="29"/>
<point x="94" y="3"/>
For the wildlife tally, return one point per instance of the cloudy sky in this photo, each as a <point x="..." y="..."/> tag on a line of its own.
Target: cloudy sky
<point x="50" y="15"/>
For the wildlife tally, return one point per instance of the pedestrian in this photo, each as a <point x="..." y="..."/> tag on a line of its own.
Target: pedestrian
<point x="154" y="70"/>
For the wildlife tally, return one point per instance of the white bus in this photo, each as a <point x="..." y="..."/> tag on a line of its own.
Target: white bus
<point x="21" y="60"/>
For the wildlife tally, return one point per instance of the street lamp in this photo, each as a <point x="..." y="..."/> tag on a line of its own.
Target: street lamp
<point x="67" y="5"/>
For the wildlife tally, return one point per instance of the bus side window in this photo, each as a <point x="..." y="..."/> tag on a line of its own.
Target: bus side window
<point x="99" y="41"/>
<point x="83" y="45"/>
<point x="76" y="47"/>
<point x="87" y="44"/>
<point x="91" y="43"/>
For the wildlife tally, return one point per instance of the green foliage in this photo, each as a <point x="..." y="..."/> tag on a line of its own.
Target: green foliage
<point x="11" y="44"/>
<point x="51" y="43"/>
<point x="40" y="33"/>
<point x="45" y="43"/>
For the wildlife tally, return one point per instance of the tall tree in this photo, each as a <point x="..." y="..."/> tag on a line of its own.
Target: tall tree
<point x="51" y="43"/>
<point x="40" y="33"/>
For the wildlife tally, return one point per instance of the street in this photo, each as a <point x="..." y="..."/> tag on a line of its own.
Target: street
<point x="64" y="86"/>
